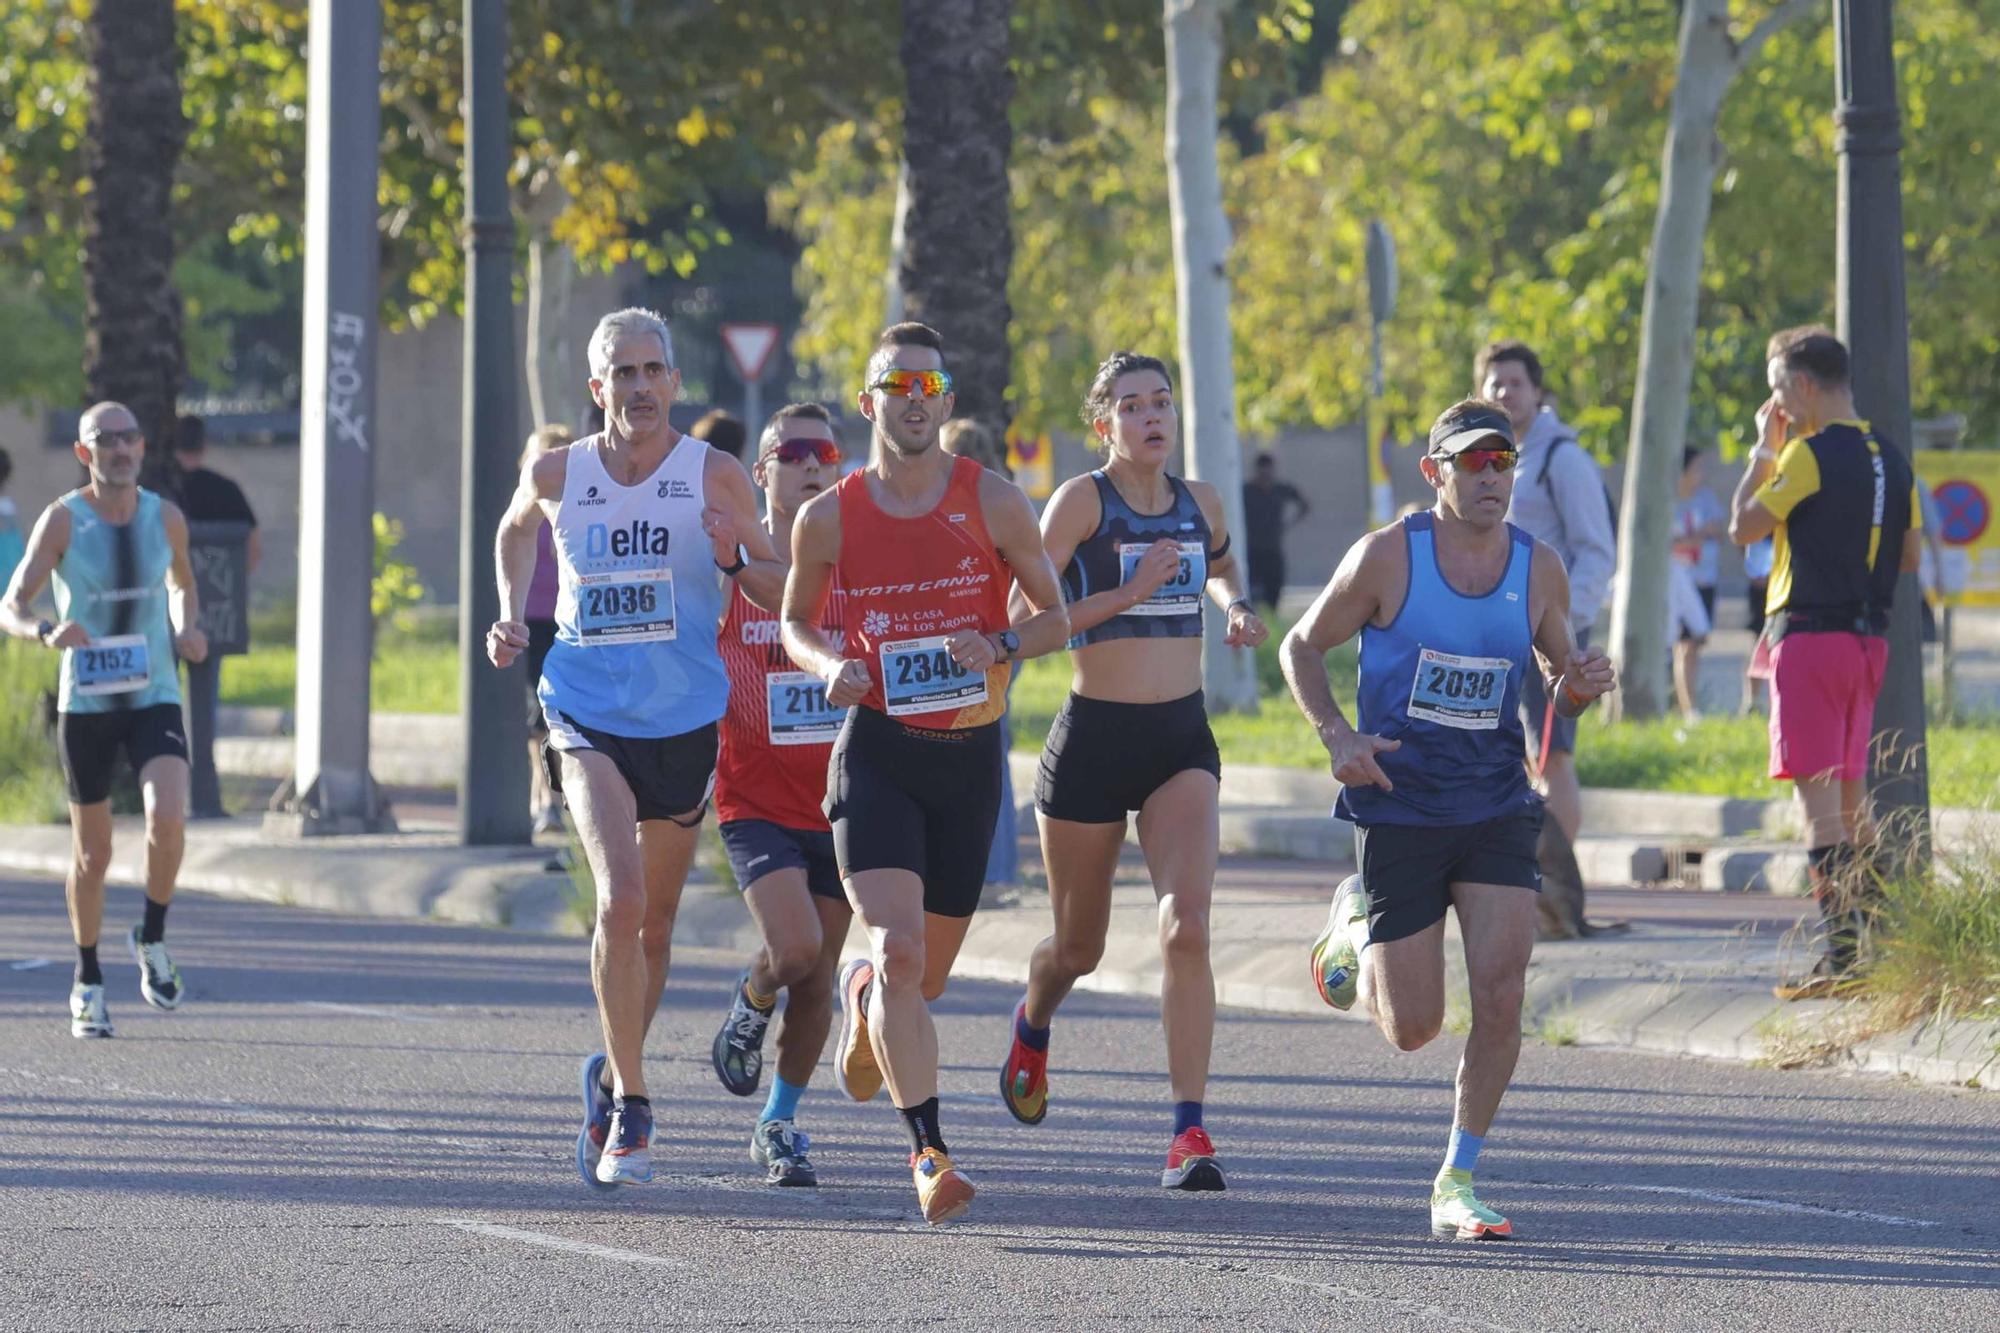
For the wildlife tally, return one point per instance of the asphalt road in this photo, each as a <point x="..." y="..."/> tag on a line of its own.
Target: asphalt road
<point x="367" y="1124"/>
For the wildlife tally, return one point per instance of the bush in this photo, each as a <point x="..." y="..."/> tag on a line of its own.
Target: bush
<point x="31" y="790"/>
<point x="1936" y="943"/>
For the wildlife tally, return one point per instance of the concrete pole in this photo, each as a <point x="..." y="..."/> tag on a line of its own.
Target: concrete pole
<point x="1874" y="323"/>
<point x="332" y="792"/>
<point x="493" y="784"/>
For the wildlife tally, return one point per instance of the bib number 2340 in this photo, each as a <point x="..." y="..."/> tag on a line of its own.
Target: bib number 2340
<point x="919" y="676"/>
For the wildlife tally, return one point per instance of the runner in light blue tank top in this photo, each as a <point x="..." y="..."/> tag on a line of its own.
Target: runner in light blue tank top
<point x="113" y="581"/>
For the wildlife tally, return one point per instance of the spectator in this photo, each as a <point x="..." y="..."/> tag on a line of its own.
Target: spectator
<point x="1559" y="498"/>
<point x="1842" y="505"/>
<point x="208" y="497"/>
<point x="540" y="618"/>
<point x="12" y="544"/>
<point x="721" y="430"/>
<point x="1757" y="571"/>
<point x="1699" y="519"/>
<point x="1264" y="523"/>
<point x="971" y="438"/>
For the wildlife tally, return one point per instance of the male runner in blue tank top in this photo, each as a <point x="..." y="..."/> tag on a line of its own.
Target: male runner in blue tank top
<point x="125" y="602"/>
<point x="1449" y="604"/>
<point x="633" y="686"/>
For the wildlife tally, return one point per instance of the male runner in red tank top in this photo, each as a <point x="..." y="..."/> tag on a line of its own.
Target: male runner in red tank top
<point x="770" y="785"/>
<point x="925" y="546"/>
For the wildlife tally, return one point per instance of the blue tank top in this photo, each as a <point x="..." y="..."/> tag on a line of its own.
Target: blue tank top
<point x="638" y="600"/>
<point x="1105" y="559"/>
<point x="1444" y="678"/>
<point x="113" y="581"/>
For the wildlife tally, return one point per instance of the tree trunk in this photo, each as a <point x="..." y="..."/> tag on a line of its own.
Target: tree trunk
<point x="1201" y="287"/>
<point x="551" y="372"/>
<point x="959" y="242"/>
<point x="1710" y="59"/>
<point x="899" y="231"/>
<point x="132" y="314"/>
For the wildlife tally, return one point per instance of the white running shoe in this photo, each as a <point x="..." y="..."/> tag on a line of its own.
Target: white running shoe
<point x="159" y="979"/>
<point x="87" y="1014"/>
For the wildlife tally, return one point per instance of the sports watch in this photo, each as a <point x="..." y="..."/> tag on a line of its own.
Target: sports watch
<point x="1010" y="644"/>
<point x="742" y="559"/>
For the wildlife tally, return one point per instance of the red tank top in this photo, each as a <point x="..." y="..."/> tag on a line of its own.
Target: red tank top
<point x="912" y="581"/>
<point x="778" y="733"/>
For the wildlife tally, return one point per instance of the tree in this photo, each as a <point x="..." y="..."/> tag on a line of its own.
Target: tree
<point x="958" y="234"/>
<point x="132" y="340"/>
<point x="1710" y="60"/>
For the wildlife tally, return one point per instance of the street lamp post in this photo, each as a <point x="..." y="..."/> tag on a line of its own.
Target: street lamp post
<point x="1874" y="323"/>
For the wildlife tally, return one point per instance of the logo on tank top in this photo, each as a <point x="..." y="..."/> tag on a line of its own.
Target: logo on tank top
<point x="875" y="623"/>
<point x="956" y="518"/>
<point x="639" y="537"/>
<point x="590" y="497"/>
<point x="673" y="488"/>
<point x="761" y="633"/>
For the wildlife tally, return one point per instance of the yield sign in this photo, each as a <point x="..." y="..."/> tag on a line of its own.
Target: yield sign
<point x="750" y="347"/>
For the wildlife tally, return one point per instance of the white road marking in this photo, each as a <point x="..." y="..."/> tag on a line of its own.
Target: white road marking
<point x="556" y="1242"/>
<point x="1743" y="1201"/>
<point x="365" y="1011"/>
<point x="28" y="965"/>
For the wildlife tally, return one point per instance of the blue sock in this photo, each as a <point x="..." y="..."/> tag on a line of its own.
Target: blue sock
<point x="783" y="1103"/>
<point x="1035" y="1039"/>
<point x="1187" y="1115"/>
<point x="1463" y="1154"/>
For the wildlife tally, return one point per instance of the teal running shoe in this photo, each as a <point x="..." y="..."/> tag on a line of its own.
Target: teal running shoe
<point x="1336" y="963"/>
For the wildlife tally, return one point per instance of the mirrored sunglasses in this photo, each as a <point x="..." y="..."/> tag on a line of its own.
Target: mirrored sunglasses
<point x="1477" y="460"/>
<point x="799" y="450"/>
<point x="914" y="383"/>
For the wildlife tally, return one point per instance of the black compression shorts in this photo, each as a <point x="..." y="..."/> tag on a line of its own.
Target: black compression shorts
<point x="90" y="742"/>
<point x="1105" y="759"/>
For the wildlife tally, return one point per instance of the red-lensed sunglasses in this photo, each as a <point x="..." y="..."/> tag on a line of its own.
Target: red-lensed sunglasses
<point x="1477" y="460"/>
<point x="799" y="450"/>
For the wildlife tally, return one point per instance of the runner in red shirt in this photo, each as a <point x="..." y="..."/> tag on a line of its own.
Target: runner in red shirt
<point x="769" y="786"/>
<point x="925" y="545"/>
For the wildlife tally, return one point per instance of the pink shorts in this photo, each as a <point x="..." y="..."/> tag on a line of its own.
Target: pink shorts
<point x="1823" y="688"/>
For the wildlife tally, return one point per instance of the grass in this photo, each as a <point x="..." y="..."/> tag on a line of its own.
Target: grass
<point x="31" y="788"/>
<point x="1937" y="943"/>
<point x="415" y="668"/>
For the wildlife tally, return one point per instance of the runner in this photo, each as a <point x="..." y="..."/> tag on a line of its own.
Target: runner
<point x="125" y="602"/>
<point x="769" y="790"/>
<point x="1448" y="604"/>
<point x="924" y="543"/>
<point x="633" y="686"/>
<point x="1137" y="548"/>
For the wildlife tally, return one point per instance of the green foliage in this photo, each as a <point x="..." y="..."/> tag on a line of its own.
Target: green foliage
<point x="31" y="789"/>
<point x="396" y="590"/>
<point x="1937" y="943"/>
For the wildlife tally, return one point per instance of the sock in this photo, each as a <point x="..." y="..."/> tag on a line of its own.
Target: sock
<point x="1035" y="1039"/>
<point x="763" y="1004"/>
<point x="1463" y="1154"/>
<point x="88" y="973"/>
<point x="630" y="1100"/>
<point x="1187" y="1115"/>
<point x="783" y="1103"/>
<point x="922" y="1122"/>
<point x="154" y="928"/>
<point x="1831" y="872"/>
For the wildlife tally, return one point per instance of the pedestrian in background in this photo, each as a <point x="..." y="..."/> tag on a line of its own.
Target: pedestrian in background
<point x="1265" y="520"/>
<point x="1699" y="519"/>
<point x="209" y="497"/>
<point x="1558" y="498"/>
<point x="540" y="618"/>
<point x="721" y="430"/>
<point x="12" y="544"/>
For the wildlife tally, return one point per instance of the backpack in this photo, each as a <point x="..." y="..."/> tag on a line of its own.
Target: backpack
<point x="1610" y="504"/>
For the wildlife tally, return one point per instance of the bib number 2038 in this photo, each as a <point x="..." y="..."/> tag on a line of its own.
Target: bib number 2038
<point x="1461" y="692"/>
<point x="919" y="676"/>
<point x="630" y="606"/>
<point x="115" y="665"/>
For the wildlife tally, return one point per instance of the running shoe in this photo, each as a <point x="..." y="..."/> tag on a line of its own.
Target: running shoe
<point x="1336" y="963"/>
<point x="596" y="1120"/>
<point x="738" y="1052"/>
<point x="159" y="979"/>
<point x="628" y="1158"/>
<point x="779" y="1146"/>
<point x="87" y="1014"/>
<point x="1024" y="1079"/>
<point x="1191" y="1163"/>
<point x="1457" y="1213"/>
<point x="854" y="1066"/>
<point x="943" y="1190"/>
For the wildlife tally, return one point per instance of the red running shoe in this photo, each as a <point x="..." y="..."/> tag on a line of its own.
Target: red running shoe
<point x="1191" y="1163"/>
<point x="1024" y="1079"/>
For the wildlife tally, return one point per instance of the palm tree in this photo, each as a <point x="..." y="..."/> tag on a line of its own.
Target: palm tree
<point x="959" y="244"/>
<point x="132" y="314"/>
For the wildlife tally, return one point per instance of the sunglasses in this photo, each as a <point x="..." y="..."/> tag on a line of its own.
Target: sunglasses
<point x="914" y="383"/>
<point x="1477" y="460"/>
<point x="115" y="437"/>
<point x="799" y="450"/>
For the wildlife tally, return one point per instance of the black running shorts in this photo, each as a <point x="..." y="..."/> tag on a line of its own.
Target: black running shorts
<point x="90" y="742"/>
<point x="670" y="776"/>
<point x="757" y="847"/>
<point x="910" y="798"/>
<point x="1103" y="759"/>
<point x="1408" y="869"/>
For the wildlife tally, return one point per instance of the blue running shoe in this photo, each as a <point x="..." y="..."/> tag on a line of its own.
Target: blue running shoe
<point x="628" y="1157"/>
<point x="596" y="1121"/>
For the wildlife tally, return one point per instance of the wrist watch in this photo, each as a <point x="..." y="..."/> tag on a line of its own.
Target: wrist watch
<point x="44" y="628"/>
<point x="1010" y="644"/>
<point x="742" y="559"/>
<point x="1243" y="602"/>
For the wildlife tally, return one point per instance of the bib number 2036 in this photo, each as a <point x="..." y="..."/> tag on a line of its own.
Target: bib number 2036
<point x="919" y="676"/>
<point x="634" y="606"/>
<point x="1461" y="692"/>
<point x="115" y="665"/>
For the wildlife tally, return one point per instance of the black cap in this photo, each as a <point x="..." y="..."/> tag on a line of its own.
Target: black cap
<point x="1462" y="428"/>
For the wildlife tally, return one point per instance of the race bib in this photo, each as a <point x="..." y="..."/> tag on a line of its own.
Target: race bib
<point x="1462" y="692"/>
<point x="1179" y="595"/>
<point x="919" y="676"/>
<point x="117" y="665"/>
<point x="799" y="712"/>
<point x="627" y="606"/>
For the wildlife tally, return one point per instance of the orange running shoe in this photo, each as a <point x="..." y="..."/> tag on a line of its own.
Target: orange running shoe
<point x="1024" y="1079"/>
<point x="1191" y="1163"/>
<point x="944" y="1191"/>
<point x="854" y="1064"/>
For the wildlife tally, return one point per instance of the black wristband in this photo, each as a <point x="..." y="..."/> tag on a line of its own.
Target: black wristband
<point x="737" y="568"/>
<point x="1243" y="602"/>
<point x="44" y="628"/>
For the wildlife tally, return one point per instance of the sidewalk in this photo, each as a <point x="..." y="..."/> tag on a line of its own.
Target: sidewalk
<point x="1692" y="976"/>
